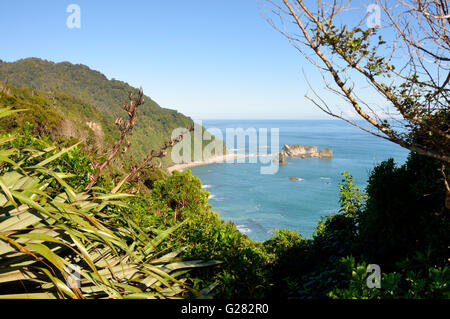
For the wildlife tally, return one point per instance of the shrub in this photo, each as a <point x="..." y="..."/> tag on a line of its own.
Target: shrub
<point x="405" y="212"/>
<point x="404" y="284"/>
<point x="179" y="193"/>
<point x="242" y="272"/>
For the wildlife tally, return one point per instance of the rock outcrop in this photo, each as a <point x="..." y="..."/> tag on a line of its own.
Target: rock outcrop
<point x="326" y="153"/>
<point x="302" y="151"/>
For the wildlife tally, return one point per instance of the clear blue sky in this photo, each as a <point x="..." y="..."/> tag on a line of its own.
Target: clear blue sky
<point x="205" y="58"/>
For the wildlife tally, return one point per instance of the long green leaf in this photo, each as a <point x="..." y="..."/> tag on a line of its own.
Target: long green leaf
<point x="4" y="112"/>
<point x="57" y="155"/>
<point x="7" y="192"/>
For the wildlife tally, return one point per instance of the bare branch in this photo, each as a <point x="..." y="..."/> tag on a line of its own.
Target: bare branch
<point x="159" y="154"/>
<point x="420" y="102"/>
<point x="126" y="128"/>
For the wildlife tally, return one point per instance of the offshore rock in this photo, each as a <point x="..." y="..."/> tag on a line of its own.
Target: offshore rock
<point x="302" y="151"/>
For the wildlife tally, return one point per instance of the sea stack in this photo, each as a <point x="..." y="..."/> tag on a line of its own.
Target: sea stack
<point x="302" y="151"/>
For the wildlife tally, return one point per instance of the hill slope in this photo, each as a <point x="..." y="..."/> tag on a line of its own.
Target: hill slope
<point x="87" y="97"/>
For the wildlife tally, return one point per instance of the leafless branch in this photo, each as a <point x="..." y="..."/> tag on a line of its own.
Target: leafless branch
<point x="126" y="128"/>
<point x="418" y="102"/>
<point x="147" y="162"/>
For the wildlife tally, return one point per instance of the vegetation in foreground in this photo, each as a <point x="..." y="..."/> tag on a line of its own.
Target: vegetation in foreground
<point x="399" y="222"/>
<point x="167" y="242"/>
<point x="163" y="240"/>
<point x="50" y="230"/>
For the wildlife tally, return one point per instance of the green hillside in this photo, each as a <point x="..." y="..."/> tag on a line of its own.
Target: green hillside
<point x="49" y="115"/>
<point x="87" y="101"/>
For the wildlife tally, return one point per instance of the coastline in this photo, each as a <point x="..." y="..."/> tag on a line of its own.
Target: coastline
<point x="211" y="160"/>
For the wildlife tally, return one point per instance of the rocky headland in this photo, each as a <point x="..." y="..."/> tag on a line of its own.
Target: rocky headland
<point x="302" y="151"/>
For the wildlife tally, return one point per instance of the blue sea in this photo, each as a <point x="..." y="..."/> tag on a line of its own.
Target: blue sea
<point x="260" y="203"/>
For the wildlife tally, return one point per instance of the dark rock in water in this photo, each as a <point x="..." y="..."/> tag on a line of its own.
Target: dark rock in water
<point x="302" y="151"/>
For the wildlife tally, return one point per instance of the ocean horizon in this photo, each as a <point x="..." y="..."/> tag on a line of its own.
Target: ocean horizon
<point x="260" y="203"/>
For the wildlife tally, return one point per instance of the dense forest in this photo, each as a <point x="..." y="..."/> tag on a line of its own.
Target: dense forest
<point x="83" y="97"/>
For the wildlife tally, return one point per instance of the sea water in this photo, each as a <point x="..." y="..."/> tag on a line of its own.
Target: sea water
<point x="258" y="204"/>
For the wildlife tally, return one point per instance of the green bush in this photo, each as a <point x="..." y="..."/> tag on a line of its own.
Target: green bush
<point x="152" y="175"/>
<point x="43" y="118"/>
<point x="432" y="282"/>
<point x="73" y="161"/>
<point x="405" y="212"/>
<point x="242" y="272"/>
<point x="287" y="255"/>
<point x="178" y="195"/>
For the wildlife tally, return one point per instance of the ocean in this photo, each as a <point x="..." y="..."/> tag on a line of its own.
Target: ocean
<point x="260" y="203"/>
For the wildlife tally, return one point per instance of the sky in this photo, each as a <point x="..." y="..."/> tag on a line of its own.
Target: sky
<point x="208" y="59"/>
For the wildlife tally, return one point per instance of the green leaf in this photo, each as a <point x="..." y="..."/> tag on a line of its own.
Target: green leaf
<point x="29" y="202"/>
<point x="45" y="252"/>
<point x="4" y="112"/>
<point x="39" y="237"/>
<point x="56" y="156"/>
<point x="7" y="192"/>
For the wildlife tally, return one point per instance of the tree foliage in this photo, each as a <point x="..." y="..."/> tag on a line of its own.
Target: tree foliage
<point x="409" y="71"/>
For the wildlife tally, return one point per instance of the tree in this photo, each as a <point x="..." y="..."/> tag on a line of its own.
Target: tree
<point x="410" y="71"/>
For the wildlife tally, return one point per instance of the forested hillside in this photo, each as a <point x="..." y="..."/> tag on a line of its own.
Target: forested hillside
<point x="87" y="98"/>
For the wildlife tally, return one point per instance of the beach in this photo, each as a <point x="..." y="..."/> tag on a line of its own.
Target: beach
<point x="215" y="159"/>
